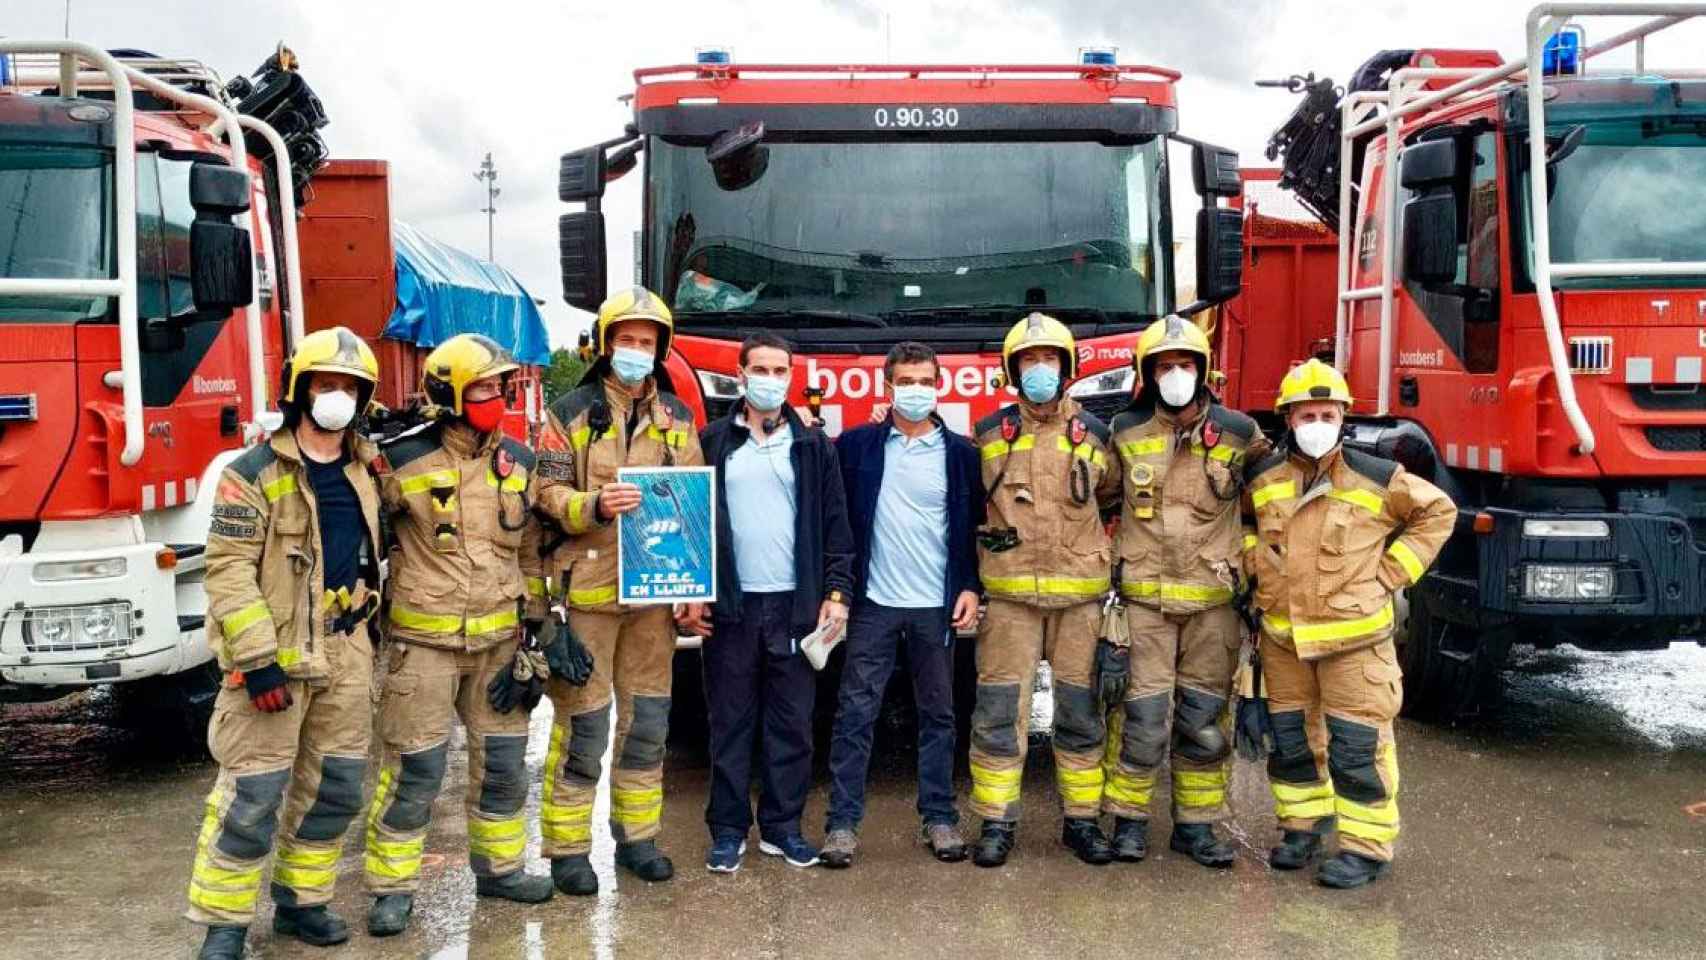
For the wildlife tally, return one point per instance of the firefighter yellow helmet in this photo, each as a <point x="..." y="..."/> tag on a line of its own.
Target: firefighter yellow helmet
<point x="459" y="361"/>
<point x="336" y="350"/>
<point x="1171" y="332"/>
<point x="1312" y="380"/>
<point x="634" y="303"/>
<point x="1039" y="330"/>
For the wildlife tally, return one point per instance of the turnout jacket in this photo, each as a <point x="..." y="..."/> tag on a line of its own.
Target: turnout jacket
<point x="265" y="577"/>
<point x="1335" y="539"/>
<point x="590" y="434"/>
<point x="465" y="563"/>
<point x="1045" y="475"/>
<point x="1181" y="537"/>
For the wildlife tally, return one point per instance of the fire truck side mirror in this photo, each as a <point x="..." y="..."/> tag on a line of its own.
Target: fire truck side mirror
<point x="1430" y="164"/>
<point x="1214" y="171"/>
<point x="221" y="266"/>
<point x="218" y="189"/>
<point x="1220" y="254"/>
<point x="580" y="175"/>
<point x="1429" y="170"/>
<point x="580" y="253"/>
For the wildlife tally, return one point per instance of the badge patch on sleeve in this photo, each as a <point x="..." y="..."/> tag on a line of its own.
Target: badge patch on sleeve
<point x="235" y="511"/>
<point x="236" y="531"/>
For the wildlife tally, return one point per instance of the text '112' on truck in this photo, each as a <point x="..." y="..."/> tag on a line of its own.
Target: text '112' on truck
<point x="848" y="208"/>
<point x="1508" y="261"/>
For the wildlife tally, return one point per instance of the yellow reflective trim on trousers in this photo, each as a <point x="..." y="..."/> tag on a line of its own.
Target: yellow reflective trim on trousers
<point x="636" y="807"/>
<point x="1143" y="448"/>
<point x="1199" y="788"/>
<point x="1000" y="448"/>
<point x="566" y="823"/>
<point x="994" y="786"/>
<point x="432" y="478"/>
<point x="593" y="597"/>
<point x="231" y="901"/>
<point x="306" y="868"/>
<point x="497" y="839"/>
<point x="392" y="869"/>
<point x="1283" y="490"/>
<point x="396" y="849"/>
<point x="1374" y="824"/>
<point x="574" y="514"/>
<point x="536" y="586"/>
<point x="514" y="483"/>
<point x="234" y="625"/>
<point x="1372" y="502"/>
<point x="1314" y="634"/>
<point x="1310" y="802"/>
<point x="1082" y="451"/>
<point x="1056" y="586"/>
<point x="1128" y="790"/>
<point x="1412" y="564"/>
<point x="1079" y="786"/>
<point x="279" y="487"/>
<point x="208" y="874"/>
<point x="289" y="657"/>
<point x="1154" y="589"/>
<point x="380" y="789"/>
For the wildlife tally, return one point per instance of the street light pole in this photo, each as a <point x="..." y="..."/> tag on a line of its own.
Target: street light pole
<point x="489" y="175"/>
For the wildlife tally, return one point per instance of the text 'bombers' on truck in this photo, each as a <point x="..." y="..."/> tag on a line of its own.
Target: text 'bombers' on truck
<point x="150" y="286"/>
<point x="1520" y="309"/>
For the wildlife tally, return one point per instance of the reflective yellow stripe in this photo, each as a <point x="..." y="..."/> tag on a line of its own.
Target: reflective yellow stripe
<point x="1412" y="564"/>
<point x="492" y="622"/>
<point x="1283" y="490"/>
<point x="1052" y="586"/>
<point x="451" y="623"/>
<point x="434" y="478"/>
<point x="634" y="808"/>
<point x="1152" y="589"/>
<point x="514" y="483"/>
<point x="1315" y="634"/>
<point x="1221" y="452"/>
<point x="279" y="487"/>
<point x="1079" y="786"/>
<point x="566" y="824"/>
<point x="1082" y="451"/>
<point x="1372" y="502"/>
<point x="536" y="586"/>
<point x="206" y="873"/>
<point x="580" y="438"/>
<point x="289" y="657"/>
<point x="1144" y="447"/>
<point x="382" y="787"/>
<point x="1310" y="802"/>
<point x="1130" y="791"/>
<point x="392" y="869"/>
<point x="234" y="625"/>
<point x="301" y="869"/>
<point x="994" y="787"/>
<point x="233" y="901"/>
<point x="1374" y="824"/>
<point x="1250" y="541"/>
<point x="673" y="438"/>
<point x="1199" y="788"/>
<point x="593" y="597"/>
<point x="396" y="849"/>
<point x="1000" y="448"/>
<point x="575" y="514"/>
<point x="497" y="839"/>
<point x="1277" y="625"/>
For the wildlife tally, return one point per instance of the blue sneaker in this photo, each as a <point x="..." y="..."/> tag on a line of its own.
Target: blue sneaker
<point x="725" y="855"/>
<point x="792" y="848"/>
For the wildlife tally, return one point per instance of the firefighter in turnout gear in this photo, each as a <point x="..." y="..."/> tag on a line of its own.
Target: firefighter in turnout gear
<point x="291" y="569"/>
<point x="623" y="414"/>
<point x="1044" y="559"/>
<point x="1180" y="457"/>
<point x="464" y="579"/>
<point x="1339" y="533"/>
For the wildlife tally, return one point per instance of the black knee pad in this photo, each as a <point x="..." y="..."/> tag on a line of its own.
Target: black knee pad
<point x="1198" y="711"/>
<point x="252" y="818"/>
<point x="1078" y="724"/>
<point x="646" y="734"/>
<point x="995" y="719"/>
<point x="504" y="788"/>
<point x="1143" y="740"/>
<point x="336" y="802"/>
<point x="1291" y="760"/>
<point x="1350" y="756"/>
<point x="419" y="778"/>
<point x="589" y="737"/>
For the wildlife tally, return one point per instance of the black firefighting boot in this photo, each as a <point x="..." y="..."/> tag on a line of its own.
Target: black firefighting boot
<point x="1349" y="870"/>
<point x="223" y="943"/>
<point x="315" y="926"/>
<point x="643" y="859"/>
<point x="1084" y="836"/>
<point x="574" y="875"/>
<point x="994" y="843"/>
<point x="1131" y="839"/>
<point x="1197" y="841"/>
<point x="520" y="886"/>
<point x="1297" y="849"/>
<point x="390" y="914"/>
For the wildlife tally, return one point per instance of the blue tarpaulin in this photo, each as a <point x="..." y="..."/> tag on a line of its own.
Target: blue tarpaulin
<point x="442" y="291"/>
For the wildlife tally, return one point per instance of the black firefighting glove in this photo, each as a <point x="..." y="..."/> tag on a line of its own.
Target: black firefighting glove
<point x="1253" y="734"/>
<point x="522" y="684"/>
<point x="268" y="688"/>
<point x="1113" y="669"/>
<point x="568" y="657"/>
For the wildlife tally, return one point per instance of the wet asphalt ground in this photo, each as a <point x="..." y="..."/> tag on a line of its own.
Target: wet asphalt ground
<point x="1570" y="824"/>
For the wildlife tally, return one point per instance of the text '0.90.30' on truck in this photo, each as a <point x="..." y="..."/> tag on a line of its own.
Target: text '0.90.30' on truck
<point x="150" y="283"/>
<point x="1510" y="267"/>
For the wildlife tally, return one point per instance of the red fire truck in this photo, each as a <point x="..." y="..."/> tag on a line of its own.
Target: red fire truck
<point x="1516" y="291"/>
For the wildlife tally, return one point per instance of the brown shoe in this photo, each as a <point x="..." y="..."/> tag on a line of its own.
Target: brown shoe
<point x="945" y="842"/>
<point x="838" y="849"/>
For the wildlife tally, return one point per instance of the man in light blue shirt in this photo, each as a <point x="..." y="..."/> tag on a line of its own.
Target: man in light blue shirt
<point x="759" y="482"/>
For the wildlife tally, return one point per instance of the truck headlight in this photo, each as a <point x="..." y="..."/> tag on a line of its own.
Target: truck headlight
<point x="1565" y="582"/>
<point x="94" y="626"/>
<point x="1567" y="529"/>
<point x="719" y="386"/>
<point x="63" y="570"/>
<point x="52" y="629"/>
<point x="1111" y="381"/>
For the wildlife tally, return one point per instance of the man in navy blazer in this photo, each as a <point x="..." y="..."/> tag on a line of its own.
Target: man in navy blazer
<point x="915" y="499"/>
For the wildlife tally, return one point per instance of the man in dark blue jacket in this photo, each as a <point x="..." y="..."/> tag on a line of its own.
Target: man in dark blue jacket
<point x="784" y="568"/>
<point x="915" y="495"/>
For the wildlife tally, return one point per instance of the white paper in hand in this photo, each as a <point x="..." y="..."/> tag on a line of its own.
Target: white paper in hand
<point x="818" y="644"/>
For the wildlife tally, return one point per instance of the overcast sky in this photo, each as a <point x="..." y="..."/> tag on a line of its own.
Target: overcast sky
<point x="432" y="85"/>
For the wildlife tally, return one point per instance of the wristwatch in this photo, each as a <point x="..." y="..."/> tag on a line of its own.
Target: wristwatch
<point x="836" y="596"/>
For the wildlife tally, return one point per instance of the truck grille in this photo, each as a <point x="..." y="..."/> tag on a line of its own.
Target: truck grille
<point x="1655" y="398"/>
<point x="1106" y="406"/>
<point x="1677" y="439"/>
<point x="97" y="626"/>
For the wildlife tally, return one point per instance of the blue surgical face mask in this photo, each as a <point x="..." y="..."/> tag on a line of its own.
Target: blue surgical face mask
<point x="766" y="393"/>
<point x="632" y="366"/>
<point x="914" y="402"/>
<point x="1040" y="383"/>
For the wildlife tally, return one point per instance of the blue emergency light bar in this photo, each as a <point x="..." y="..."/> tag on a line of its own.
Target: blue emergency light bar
<point x="712" y="56"/>
<point x="1098" y="56"/>
<point x="1562" y="55"/>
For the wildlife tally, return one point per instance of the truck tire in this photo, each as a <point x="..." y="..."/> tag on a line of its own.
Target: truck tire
<point x="176" y="706"/>
<point x="1450" y="674"/>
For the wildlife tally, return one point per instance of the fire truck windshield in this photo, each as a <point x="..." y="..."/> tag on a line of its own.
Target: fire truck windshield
<point x="839" y="233"/>
<point x="55" y="221"/>
<point x="1630" y="194"/>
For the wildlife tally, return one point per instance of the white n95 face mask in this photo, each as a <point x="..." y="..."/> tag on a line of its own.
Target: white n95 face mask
<point x="333" y="410"/>
<point x="1178" y="386"/>
<point x="1316" y="439"/>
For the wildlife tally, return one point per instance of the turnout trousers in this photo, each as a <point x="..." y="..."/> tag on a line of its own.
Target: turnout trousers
<point x="309" y="760"/>
<point x="1010" y="641"/>
<point x="1181" y="679"/>
<point x="632" y="653"/>
<point x="423" y="687"/>
<point x="1334" y="752"/>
